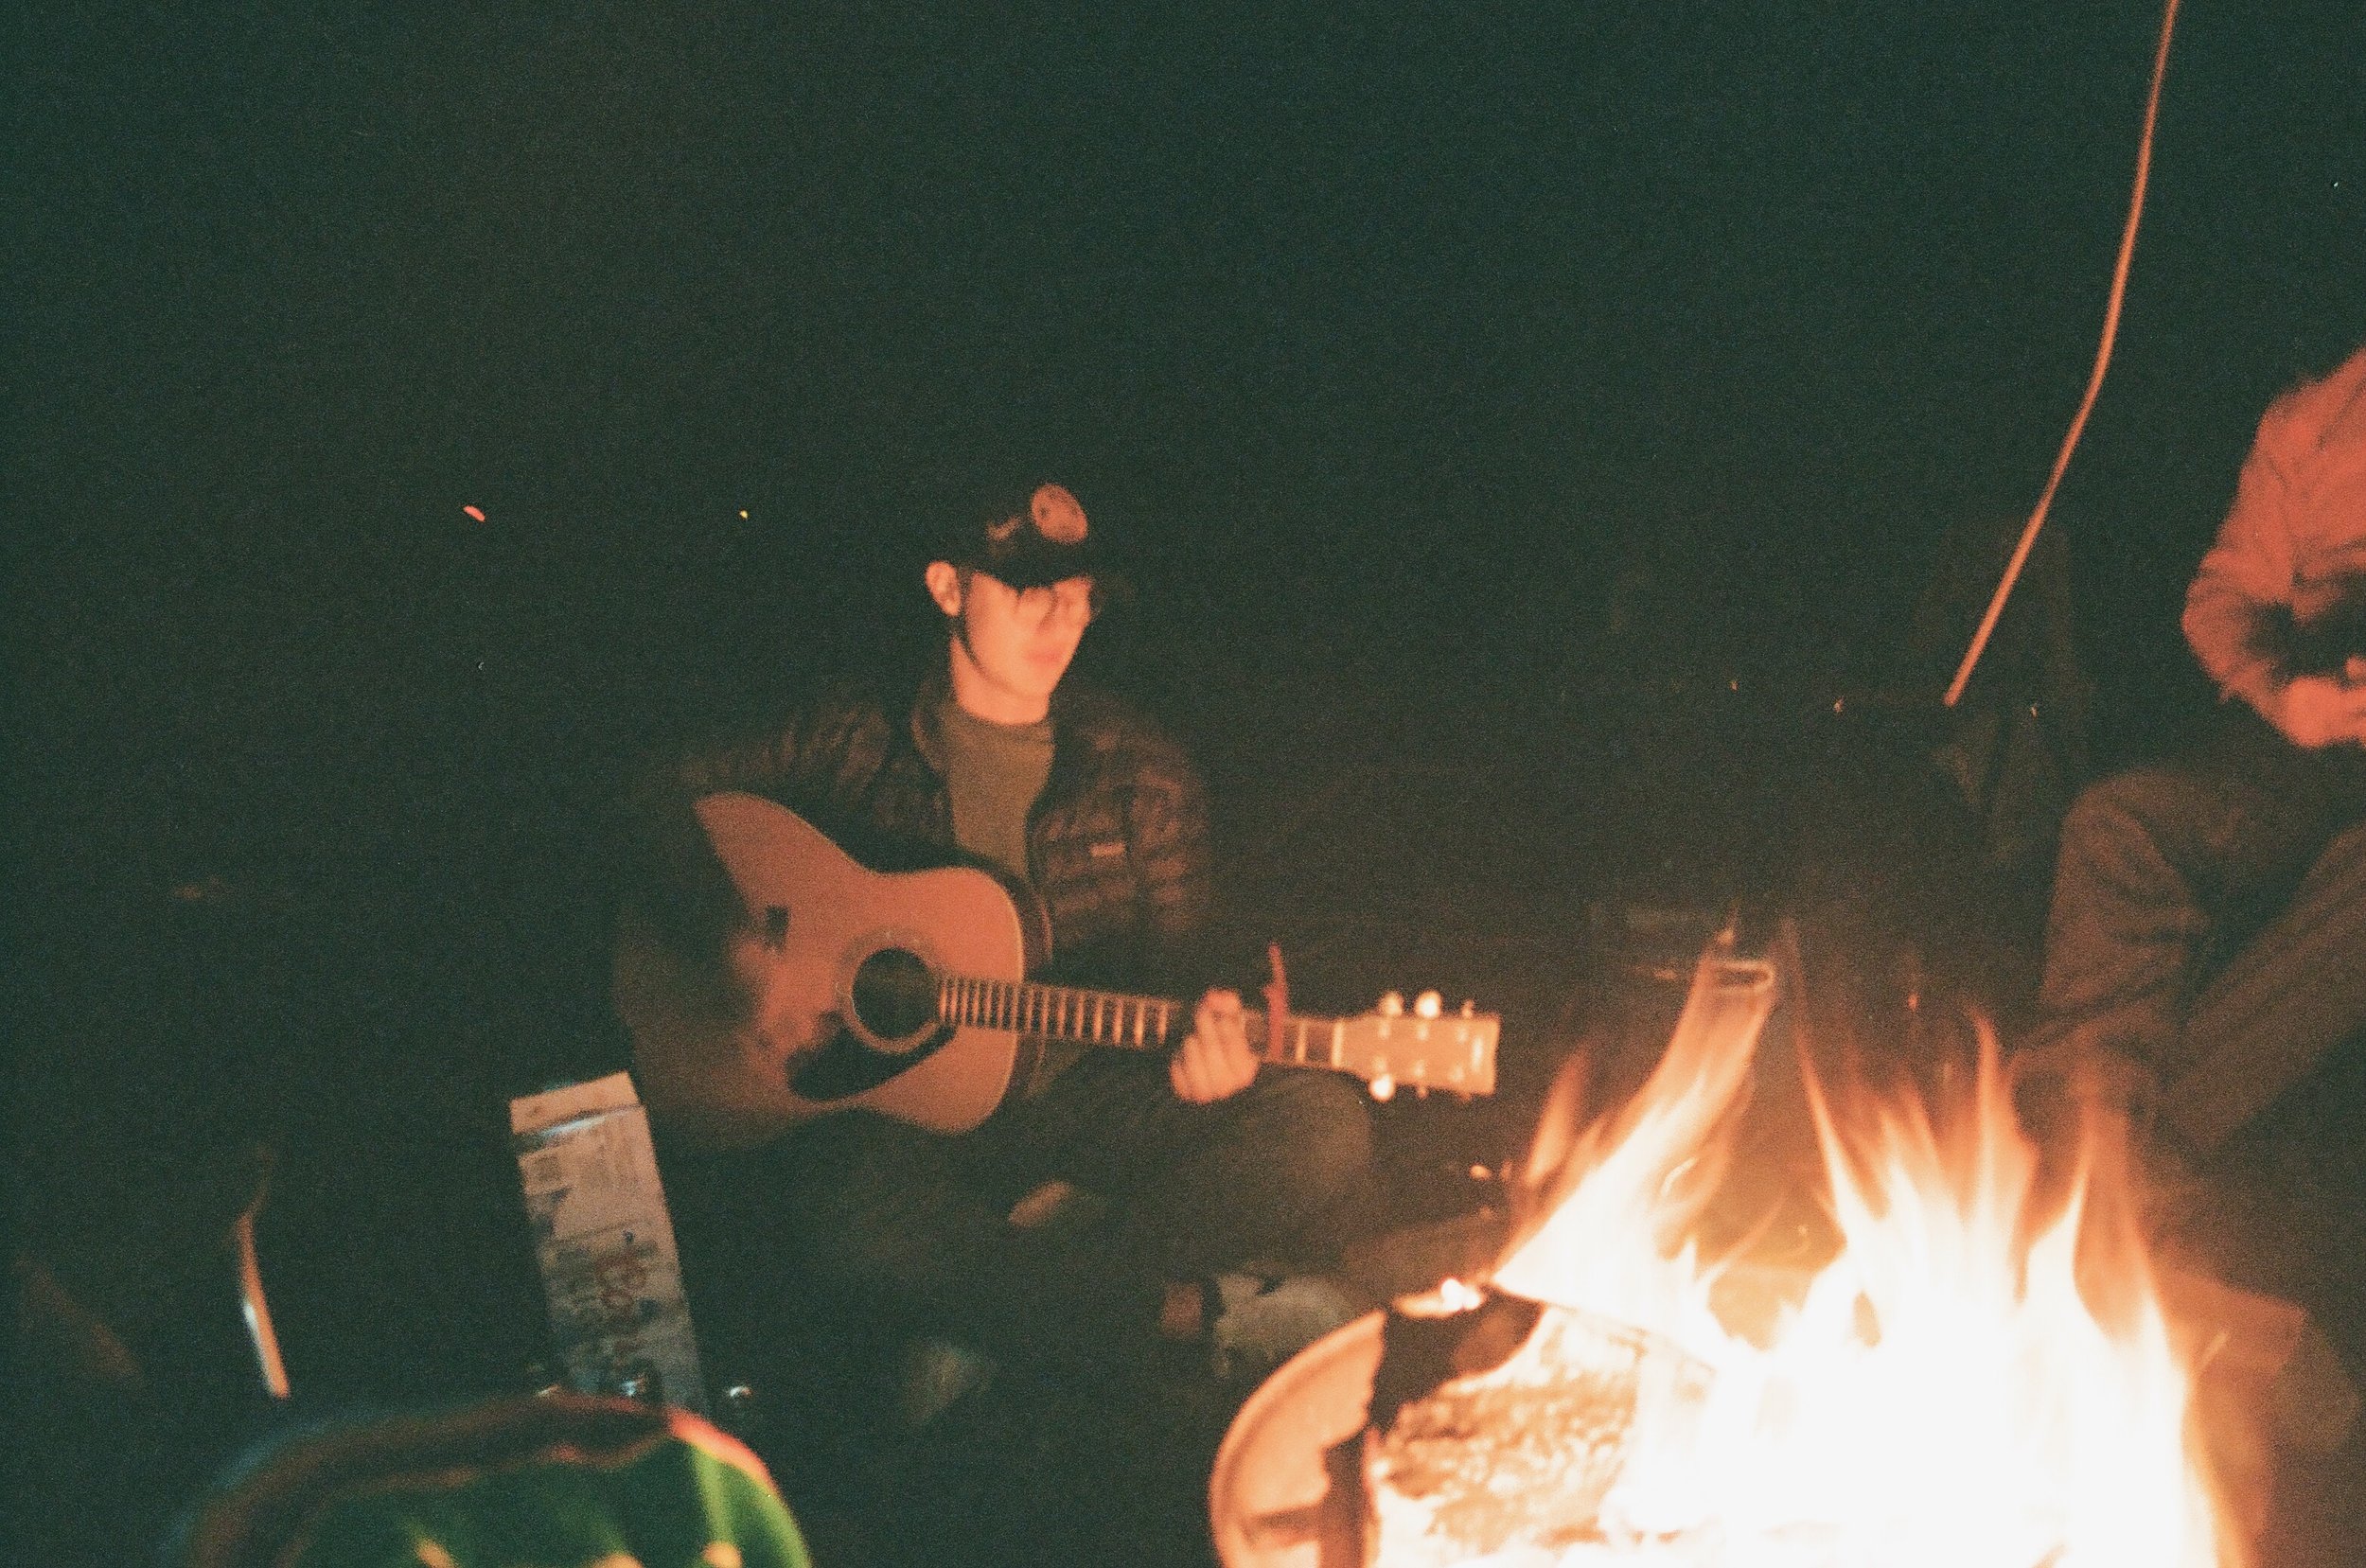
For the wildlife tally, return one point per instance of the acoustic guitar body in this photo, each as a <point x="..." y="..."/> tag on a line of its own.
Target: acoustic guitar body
<point x="846" y="1015"/>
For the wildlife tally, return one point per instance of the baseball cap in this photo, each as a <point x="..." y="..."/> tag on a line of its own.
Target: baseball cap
<point x="1029" y="536"/>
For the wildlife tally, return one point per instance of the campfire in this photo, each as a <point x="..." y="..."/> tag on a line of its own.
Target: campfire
<point x="1985" y="1370"/>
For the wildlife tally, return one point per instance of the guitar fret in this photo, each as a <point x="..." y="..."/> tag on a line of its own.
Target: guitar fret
<point x="1108" y="1018"/>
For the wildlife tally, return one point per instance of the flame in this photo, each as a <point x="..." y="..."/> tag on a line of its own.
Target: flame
<point x="1984" y="1373"/>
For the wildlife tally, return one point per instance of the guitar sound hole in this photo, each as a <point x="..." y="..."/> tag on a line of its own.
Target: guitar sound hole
<point x="896" y="995"/>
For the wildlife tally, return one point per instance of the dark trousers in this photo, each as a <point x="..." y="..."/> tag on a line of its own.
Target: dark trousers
<point x="858" y="1221"/>
<point x="2163" y="871"/>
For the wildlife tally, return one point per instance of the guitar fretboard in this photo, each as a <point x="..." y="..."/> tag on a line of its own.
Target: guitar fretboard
<point x="1110" y="1018"/>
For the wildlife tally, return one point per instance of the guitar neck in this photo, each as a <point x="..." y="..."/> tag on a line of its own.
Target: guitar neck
<point x="1086" y="1018"/>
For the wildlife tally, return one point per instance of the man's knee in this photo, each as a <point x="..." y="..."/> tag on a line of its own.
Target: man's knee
<point x="1324" y="1124"/>
<point x="2113" y="809"/>
<point x="2145" y="828"/>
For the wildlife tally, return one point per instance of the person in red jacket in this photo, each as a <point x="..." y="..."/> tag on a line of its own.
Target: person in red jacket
<point x="1191" y="1166"/>
<point x="2162" y="870"/>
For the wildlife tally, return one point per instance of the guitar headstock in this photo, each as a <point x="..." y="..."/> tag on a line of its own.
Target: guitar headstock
<point x="1421" y="1047"/>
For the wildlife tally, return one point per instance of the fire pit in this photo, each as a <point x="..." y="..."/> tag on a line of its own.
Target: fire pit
<point x="1283" y="1492"/>
<point x="1458" y="1421"/>
<point x="1986" y="1374"/>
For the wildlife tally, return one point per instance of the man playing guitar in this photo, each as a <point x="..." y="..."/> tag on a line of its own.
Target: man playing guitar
<point x="1196" y="1161"/>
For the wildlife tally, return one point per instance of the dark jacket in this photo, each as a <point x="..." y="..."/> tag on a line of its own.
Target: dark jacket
<point x="1117" y="845"/>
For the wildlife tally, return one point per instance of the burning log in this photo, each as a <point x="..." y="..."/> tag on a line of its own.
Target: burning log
<point x="1502" y="1428"/>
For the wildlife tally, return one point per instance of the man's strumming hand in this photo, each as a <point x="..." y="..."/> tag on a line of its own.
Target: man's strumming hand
<point x="1214" y="1062"/>
<point x="2315" y="711"/>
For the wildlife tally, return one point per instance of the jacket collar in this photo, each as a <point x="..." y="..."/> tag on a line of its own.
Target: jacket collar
<point x="928" y="722"/>
<point x="927" y="719"/>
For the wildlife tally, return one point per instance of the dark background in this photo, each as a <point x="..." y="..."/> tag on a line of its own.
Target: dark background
<point x="1387" y="336"/>
<point x="1444" y="370"/>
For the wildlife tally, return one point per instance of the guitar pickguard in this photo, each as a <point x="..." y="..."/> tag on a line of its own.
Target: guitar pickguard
<point x="844" y="1067"/>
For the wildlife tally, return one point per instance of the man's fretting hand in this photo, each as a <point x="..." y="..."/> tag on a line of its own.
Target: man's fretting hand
<point x="2316" y="710"/>
<point x="1215" y="1060"/>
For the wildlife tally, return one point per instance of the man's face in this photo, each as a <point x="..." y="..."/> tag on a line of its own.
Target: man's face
<point x="1011" y="646"/>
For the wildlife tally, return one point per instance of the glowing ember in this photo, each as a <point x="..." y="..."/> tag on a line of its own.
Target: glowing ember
<point x="1944" y="1391"/>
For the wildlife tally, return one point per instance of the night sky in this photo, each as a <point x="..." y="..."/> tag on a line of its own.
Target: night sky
<point x="1388" y="340"/>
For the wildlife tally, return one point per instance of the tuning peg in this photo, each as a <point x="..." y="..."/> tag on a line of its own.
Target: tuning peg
<point x="1384" y="1087"/>
<point x="1391" y="1004"/>
<point x="1428" y="1005"/>
<point x="1470" y="1008"/>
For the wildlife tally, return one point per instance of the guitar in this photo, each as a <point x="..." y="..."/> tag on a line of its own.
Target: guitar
<point x="906" y="994"/>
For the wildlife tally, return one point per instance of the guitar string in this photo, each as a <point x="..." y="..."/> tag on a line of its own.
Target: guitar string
<point x="1032" y="1007"/>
